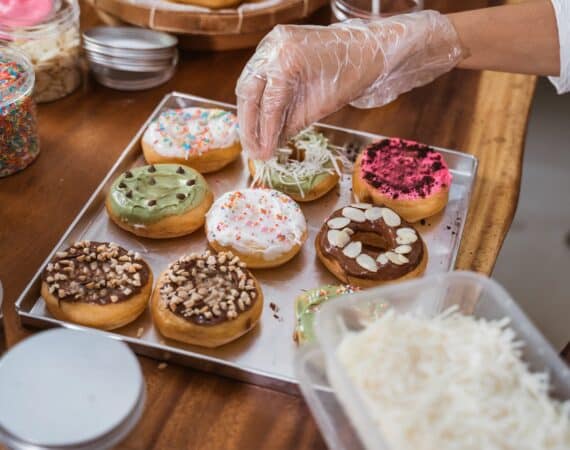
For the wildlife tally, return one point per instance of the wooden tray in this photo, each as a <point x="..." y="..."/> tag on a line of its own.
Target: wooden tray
<point x="181" y="19"/>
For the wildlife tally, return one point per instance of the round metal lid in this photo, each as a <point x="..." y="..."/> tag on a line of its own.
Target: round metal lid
<point x="66" y="388"/>
<point x="130" y="38"/>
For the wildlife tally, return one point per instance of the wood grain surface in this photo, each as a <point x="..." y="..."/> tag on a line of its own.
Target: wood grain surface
<point x="484" y="114"/>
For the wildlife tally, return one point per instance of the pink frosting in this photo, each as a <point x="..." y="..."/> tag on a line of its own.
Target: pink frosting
<point x="404" y="169"/>
<point x="16" y="13"/>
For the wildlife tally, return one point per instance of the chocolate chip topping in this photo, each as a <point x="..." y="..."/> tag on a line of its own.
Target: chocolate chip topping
<point x="129" y="194"/>
<point x="190" y="182"/>
<point x="128" y="174"/>
<point x="180" y="196"/>
<point x="180" y="170"/>
<point x="151" y="202"/>
<point x="151" y="181"/>
<point x="95" y="272"/>
<point x="152" y="169"/>
<point x="122" y="185"/>
<point x="208" y="289"/>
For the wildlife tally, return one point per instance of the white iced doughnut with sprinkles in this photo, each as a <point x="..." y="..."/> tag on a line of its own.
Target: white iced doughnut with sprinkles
<point x="264" y="227"/>
<point x="205" y="139"/>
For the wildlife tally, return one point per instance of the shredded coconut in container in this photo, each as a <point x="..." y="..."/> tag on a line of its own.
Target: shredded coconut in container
<point x="452" y="382"/>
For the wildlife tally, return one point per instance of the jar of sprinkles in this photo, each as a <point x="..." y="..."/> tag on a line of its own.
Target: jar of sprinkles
<point x="51" y="41"/>
<point x="19" y="142"/>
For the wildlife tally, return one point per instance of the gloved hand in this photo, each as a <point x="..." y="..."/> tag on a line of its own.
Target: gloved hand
<point x="300" y="74"/>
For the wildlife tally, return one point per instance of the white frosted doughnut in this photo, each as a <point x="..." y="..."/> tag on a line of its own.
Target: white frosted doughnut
<point x="264" y="227"/>
<point x="204" y="139"/>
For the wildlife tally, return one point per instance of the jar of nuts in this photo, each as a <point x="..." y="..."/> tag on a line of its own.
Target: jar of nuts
<point x="53" y="46"/>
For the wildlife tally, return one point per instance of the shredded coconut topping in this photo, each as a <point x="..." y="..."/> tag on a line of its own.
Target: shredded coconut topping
<point x="453" y="382"/>
<point x="320" y="158"/>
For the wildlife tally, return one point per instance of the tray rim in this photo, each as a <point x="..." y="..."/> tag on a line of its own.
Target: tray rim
<point x="223" y="367"/>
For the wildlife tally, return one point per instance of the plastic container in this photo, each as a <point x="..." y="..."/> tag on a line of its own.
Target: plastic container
<point x="19" y="142"/>
<point x="373" y="9"/>
<point x="54" y="47"/>
<point x="472" y="293"/>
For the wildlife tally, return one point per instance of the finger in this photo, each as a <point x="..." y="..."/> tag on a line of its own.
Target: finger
<point x="249" y="91"/>
<point x="275" y="103"/>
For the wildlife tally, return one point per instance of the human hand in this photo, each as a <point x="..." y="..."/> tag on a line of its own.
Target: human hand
<point x="300" y="74"/>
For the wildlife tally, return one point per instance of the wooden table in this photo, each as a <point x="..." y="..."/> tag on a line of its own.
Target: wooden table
<point x="484" y="114"/>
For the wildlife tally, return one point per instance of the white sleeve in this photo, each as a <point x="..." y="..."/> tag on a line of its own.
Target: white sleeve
<point x="562" y="10"/>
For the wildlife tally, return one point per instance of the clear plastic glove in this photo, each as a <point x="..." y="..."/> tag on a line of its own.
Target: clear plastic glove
<point x="299" y="74"/>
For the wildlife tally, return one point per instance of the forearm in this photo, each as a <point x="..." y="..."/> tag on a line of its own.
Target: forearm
<point x="519" y="38"/>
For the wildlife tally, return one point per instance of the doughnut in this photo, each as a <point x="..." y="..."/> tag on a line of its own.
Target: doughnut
<point x="411" y="178"/>
<point x="306" y="171"/>
<point x="159" y="201"/>
<point x="204" y="139"/>
<point x="206" y="299"/>
<point x="365" y="245"/>
<point x="264" y="227"/>
<point x="96" y="284"/>
<point x="307" y="305"/>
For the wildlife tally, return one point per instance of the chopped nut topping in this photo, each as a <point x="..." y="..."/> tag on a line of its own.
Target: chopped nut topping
<point x="91" y="272"/>
<point x="206" y="288"/>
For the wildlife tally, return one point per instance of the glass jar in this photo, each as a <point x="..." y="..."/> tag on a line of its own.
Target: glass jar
<point x="53" y="46"/>
<point x="373" y="9"/>
<point x="19" y="142"/>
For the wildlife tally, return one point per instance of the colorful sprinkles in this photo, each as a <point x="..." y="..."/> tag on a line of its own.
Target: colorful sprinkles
<point x="191" y="131"/>
<point x="19" y="142"/>
<point x="256" y="219"/>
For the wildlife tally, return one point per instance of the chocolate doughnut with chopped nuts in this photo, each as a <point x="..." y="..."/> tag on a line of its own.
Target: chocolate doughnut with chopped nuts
<point x="159" y="201"/>
<point x="206" y="299"/>
<point x="96" y="284"/>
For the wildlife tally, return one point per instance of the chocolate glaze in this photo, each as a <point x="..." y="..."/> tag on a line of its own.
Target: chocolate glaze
<point x="402" y="168"/>
<point x="92" y="275"/>
<point x="387" y="239"/>
<point x="189" y="271"/>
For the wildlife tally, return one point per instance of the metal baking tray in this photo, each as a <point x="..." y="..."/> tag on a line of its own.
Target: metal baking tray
<point x="265" y="355"/>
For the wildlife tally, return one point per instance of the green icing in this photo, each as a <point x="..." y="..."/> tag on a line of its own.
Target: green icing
<point x="148" y="194"/>
<point x="309" y="303"/>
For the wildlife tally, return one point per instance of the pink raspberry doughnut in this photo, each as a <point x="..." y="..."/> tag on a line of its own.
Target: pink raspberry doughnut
<point x="411" y="178"/>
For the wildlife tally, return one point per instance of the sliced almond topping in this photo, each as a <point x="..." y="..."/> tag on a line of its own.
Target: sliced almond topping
<point x="382" y="258"/>
<point x="391" y="218"/>
<point x="338" y="238"/>
<point x="338" y="222"/>
<point x="396" y="258"/>
<point x="403" y="249"/>
<point x="353" y="249"/>
<point x="367" y="262"/>
<point x="361" y="205"/>
<point x="354" y="214"/>
<point x="406" y="236"/>
<point x="373" y="213"/>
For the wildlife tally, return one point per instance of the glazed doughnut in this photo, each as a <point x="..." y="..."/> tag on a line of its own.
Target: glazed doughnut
<point x="311" y="170"/>
<point x="365" y="245"/>
<point x="411" y="178"/>
<point x="204" y="139"/>
<point x="206" y="299"/>
<point x="159" y="201"/>
<point x="307" y="305"/>
<point x="96" y="284"/>
<point x="264" y="227"/>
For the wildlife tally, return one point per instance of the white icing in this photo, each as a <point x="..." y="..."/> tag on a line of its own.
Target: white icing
<point x="256" y="220"/>
<point x="181" y="133"/>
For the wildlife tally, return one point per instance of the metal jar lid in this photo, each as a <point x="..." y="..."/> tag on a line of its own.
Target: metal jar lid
<point x="69" y="389"/>
<point x="129" y="58"/>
